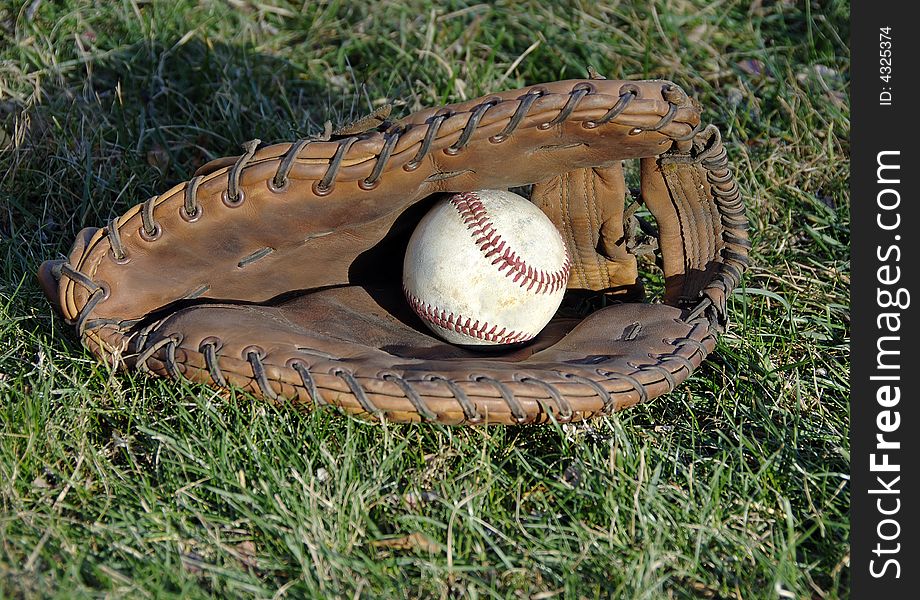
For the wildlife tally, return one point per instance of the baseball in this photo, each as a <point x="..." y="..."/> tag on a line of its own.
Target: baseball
<point x="485" y="268"/>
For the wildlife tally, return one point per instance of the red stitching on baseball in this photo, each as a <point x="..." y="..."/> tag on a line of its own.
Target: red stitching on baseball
<point x="480" y="330"/>
<point x="490" y="242"/>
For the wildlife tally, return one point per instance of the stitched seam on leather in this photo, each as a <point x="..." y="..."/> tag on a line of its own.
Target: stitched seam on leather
<point x="714" y="218"/>
<point x="583" y="260"/>
<point x="678" y="200"/>
<point x="595" y="227"/>
<point x="692" y="224"/>
<point x="567" y="230"/>
<point x="476" y="218"/>
<point x="481" y="330"/>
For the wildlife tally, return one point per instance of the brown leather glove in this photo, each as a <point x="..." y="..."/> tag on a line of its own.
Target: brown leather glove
<point x="279" y="271"/>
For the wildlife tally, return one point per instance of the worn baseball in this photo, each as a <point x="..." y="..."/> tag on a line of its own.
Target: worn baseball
<point x="485" y="268"/>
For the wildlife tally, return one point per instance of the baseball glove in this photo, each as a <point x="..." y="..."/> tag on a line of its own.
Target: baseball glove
<point x="279" y="271"/>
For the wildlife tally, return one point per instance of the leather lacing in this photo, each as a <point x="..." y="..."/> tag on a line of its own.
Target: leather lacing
<point x="469" y="409"/>
<point x="518" y="414"/>
<point x="467" y="133"/>
<point x="518" y="116"/>
<point x="209" y="350"/>
<point x="565" y="409"/>
<point x="727" y="197"/>
<point x="97" y="293"/>
<point x="191" y="209"/>
<point x="307" y="379"/>
<point x="255" y="356"/>
<point x="420" y="407"/>
<point x="712" y="156"/>
<point x="357" y="391"/>
<point x="150" y="230"/>
<point x="234" y="196"/>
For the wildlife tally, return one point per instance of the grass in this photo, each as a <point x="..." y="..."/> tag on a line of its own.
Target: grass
<point x="733" y="486"/>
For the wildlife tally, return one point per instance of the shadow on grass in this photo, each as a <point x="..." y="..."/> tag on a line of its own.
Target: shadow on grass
<point x="137" y="121"/>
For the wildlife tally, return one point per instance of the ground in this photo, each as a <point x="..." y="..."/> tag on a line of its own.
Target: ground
<point x="111" y="484"/>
